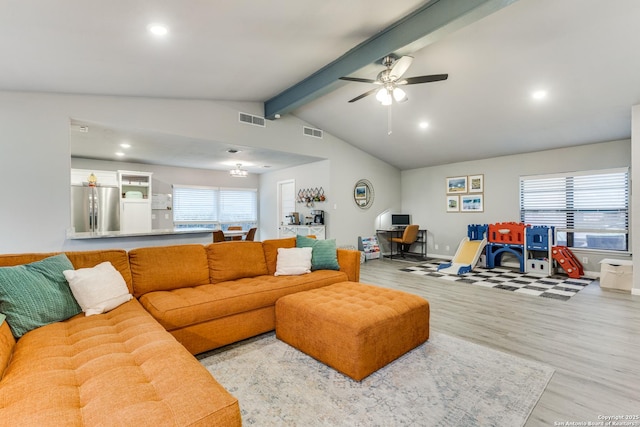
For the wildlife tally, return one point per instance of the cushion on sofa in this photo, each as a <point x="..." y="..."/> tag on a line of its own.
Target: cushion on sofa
<point x="36" y="294"/>
<point x="293" y="261"/>
<point x="271" y="247"/>
<point x="163" y="268"/>
<point x="117" y="257"/>
<point x="234" y="260"/>
<point x="190" y="306"/>
<point x="118" y="368"/>
<point x="324" y="256"/>
<point x="80" y="259"/>
<point x="98" y="289"/>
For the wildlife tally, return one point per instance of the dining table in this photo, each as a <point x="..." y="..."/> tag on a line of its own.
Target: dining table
<point x="230" y="234"/>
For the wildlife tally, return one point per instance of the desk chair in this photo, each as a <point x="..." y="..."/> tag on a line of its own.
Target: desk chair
<point x="251" y="234"/>
<point x="218" y="236"/>
<point x="409" y="236"/>
<point x="235" y="227"/>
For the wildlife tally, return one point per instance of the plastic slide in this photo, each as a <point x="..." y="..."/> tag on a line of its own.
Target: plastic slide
<point x="466" y="257"/>
<point x="568" y="261"/>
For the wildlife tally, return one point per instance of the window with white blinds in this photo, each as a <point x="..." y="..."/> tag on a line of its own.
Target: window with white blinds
<point x="589" y="210"/>
<point x="238" y="205"/>
<point x="208" y="207"/>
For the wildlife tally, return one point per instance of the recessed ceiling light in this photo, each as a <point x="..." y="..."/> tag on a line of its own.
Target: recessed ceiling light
<point x="539" y="94"/>
<point x="119" y="154"/>
<point x="125" y="145"/>
<point x="158" y="29"/>
<point x="424" y="125"/>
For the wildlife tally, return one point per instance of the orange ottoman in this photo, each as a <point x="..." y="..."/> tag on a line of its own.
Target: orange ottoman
<point x="354" y="328"/>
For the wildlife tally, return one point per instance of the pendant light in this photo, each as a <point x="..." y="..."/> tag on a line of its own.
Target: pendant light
<point x="238" y="172"/>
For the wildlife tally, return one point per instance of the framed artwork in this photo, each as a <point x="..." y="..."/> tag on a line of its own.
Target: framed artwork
<point x="360" y="192"/>
<point x="457" y="184"/>
<point x="472" y="203"/>
<point x="363" y="194"/>
<point x="476" y="183"/>
<point x="453" y="203"/>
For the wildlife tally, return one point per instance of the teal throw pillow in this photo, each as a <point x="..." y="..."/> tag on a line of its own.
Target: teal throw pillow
<point x="323" y="255"/>
<point x="36" y="294"/>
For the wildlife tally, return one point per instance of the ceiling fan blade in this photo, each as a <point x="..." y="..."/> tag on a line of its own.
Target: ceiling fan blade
<point x="423" y="79"/>
<point x="401" y="66"/>
<point x="357" y="79"/>
<point x="370" y="92"/>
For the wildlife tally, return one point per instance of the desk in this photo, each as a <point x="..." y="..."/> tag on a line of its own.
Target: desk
<point x="420" y="240"/>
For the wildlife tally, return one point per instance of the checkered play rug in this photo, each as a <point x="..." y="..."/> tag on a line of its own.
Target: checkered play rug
<point x="557" y="286"/>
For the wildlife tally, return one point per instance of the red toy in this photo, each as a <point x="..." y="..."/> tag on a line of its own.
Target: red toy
<point x="568" y="261"/>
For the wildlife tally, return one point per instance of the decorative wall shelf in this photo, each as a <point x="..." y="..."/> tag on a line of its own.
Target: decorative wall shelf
<point x="311" y="195"/>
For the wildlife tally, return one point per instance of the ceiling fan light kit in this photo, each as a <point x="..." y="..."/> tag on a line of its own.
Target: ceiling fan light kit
<point x="389" y="79"/>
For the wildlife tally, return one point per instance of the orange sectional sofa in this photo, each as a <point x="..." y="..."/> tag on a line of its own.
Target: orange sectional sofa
<point x="210" y="296"/>
<point x="127" y="366"/>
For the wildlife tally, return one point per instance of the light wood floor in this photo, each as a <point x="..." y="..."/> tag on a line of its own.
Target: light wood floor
<point x="592" y="340"/>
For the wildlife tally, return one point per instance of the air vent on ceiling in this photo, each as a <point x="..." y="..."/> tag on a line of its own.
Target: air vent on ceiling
<point x="252" y="120"/>
<point x="316" y="133"/>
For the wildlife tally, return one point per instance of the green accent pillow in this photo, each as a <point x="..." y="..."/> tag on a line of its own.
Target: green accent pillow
<point x="36" y="294"/>
<point x="2" y="317"/>
<point x="323" y="256"/>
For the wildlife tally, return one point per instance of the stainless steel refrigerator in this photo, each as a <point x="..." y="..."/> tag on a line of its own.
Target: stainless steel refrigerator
<point x="95" y="208"/>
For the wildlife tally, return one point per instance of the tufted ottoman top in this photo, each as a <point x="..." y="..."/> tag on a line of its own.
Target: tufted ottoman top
<point x="353" y="327"/>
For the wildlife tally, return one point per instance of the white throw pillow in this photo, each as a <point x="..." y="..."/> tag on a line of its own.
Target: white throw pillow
<point x="293" y="261"/>
<point x="98" y="289"/>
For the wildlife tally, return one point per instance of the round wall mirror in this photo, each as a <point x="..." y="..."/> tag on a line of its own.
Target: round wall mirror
<point x="363" y="194"/>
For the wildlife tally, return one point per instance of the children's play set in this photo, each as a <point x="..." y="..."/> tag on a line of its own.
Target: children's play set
<point x="532" y="245"/>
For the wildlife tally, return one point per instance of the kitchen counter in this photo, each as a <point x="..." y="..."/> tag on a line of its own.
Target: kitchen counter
<point x="115" y="234"/>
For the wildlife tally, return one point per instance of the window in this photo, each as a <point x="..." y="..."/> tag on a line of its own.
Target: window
<point x="213" y="207"/>
<point x="589" y="210"/>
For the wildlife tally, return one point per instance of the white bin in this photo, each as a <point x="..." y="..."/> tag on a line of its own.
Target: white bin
<point x="616" y="274"/>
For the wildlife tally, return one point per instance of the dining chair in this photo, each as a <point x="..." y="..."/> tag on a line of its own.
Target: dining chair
<point x="235" y="227"/>
<point x="409" y="236"/>
<point x="218" y="236"/>
<point x="251" y="234"/>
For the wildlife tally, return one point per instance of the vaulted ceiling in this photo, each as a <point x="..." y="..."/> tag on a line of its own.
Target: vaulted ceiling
<point x="583" y="53"/>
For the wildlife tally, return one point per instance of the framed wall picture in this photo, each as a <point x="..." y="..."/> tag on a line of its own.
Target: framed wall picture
<point x="456" y="185"/>
<point x="476" y="183"/>
<point x="472" y="203"/>
<point x="453" y="203"/>
<point x="363" y="194"/>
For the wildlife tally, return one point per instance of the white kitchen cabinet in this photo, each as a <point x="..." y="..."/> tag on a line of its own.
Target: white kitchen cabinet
<point x="303" y="230"/>
<point x="135" y="201"/>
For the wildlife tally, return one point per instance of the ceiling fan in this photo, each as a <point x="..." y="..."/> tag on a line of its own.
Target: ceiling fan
<point x="390" y="80"/>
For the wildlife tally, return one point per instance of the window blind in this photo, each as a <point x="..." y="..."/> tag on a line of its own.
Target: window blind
<point x="192" y="205"/>
<point x="589" y="209"/>
<point x="212" y="205"/>
<point x="238" y="205"/>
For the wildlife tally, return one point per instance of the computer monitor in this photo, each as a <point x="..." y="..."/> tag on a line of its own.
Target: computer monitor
<point x="400" y="220"/>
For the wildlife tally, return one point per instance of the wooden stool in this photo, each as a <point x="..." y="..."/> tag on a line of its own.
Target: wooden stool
<point x="352" y="327"/>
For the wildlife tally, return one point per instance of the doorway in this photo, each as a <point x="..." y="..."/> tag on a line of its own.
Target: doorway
<point x="286" y="202"/>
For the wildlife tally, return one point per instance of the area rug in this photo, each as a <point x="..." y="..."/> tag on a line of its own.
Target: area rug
<point x="509" y="279"/>
<point x="444" y="382"/>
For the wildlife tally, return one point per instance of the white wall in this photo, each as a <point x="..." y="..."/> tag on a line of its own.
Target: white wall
<point x="338" y="176"/>
<point x="311" y="175"/>
<point x="635" y="189"/>
<point x="35" y="163"/>
<point x="424" y="194"/>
